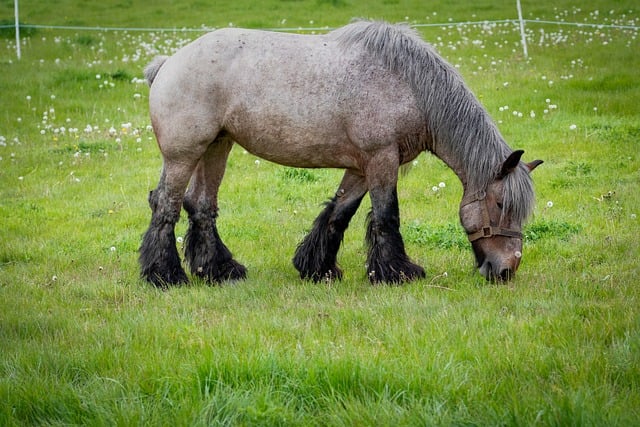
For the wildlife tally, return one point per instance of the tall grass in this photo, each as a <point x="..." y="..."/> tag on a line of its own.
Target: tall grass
<point x="84" y="341"/>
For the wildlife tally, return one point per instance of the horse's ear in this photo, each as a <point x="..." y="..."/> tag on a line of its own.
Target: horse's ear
<point x="511" y="163"/>
<point x="534" y="164"/>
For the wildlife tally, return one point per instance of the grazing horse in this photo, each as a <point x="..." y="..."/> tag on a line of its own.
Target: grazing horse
<point x="365" y="98"/>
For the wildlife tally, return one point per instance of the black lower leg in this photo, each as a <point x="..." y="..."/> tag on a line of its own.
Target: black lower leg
<point x="159" y="259"/>
<point x="316" y="255"/>
<point x="206" y="254"/>
<point x="387" y="260"/>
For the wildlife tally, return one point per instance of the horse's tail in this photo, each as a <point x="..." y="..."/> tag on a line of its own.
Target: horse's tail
<point x="152" y="69"/>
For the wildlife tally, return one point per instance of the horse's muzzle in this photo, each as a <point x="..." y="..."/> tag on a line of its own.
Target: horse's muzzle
<point x="497" y="273"/>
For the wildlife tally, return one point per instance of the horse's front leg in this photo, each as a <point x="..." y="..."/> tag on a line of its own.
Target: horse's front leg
<point x="387" y="260"/>
<point x="206" y="254"/>
<point x="316" y="255"/>
<point x="159" y="259"/>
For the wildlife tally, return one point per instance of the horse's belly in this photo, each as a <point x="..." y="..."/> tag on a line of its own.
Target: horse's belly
<point x="318" y="132"/>
<point x="290" y="146"/>
<point x="304" y="160"/>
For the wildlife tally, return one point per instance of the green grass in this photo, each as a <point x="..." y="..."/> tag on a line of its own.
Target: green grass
<point x="84" y="341"/>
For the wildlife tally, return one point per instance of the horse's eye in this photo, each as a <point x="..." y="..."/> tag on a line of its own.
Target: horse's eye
<point x="499" y="205"/>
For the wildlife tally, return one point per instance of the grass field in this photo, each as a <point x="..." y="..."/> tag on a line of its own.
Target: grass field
<point x="84" y="341"/>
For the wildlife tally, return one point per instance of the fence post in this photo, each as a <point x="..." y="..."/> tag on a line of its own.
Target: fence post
<point x="522" y="35"/>
<point x="15" y="5"/>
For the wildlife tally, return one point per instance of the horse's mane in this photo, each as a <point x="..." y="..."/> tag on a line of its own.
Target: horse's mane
<point x="455" y="119"/>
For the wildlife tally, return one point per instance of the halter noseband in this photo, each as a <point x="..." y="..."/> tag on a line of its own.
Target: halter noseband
<point x="487" y="230"/>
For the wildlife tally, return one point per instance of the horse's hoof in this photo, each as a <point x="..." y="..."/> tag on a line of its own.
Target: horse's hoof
<point x="168" y="279"/>
<point x="228" y="271"/>
<point x="330" y="275"/>
<point x="395" y="276"/>
<point x="232" y="270"/>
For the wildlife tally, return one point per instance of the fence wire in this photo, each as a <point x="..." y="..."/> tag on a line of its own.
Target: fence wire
<point x="203" y="29"/>
<point x="311" y="29"/>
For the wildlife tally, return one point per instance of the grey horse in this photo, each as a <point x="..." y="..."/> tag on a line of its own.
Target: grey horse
<point x="366" y="98"/>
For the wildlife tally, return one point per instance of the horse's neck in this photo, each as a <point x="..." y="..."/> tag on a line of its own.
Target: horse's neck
<point x="455" y="163"/>
<point x="475" y="157"/>
<point x="474" y="177"/>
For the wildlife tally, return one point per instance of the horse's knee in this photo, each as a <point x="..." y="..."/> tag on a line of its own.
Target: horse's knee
<point x="164" y="209"/>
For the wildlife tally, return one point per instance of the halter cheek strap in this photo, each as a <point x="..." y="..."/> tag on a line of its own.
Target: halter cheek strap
<point x="487" y="230"/>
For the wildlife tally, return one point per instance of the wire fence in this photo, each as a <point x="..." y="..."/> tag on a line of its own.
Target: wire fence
<point x="521" y="22"/>
<point x="326" y="28"/>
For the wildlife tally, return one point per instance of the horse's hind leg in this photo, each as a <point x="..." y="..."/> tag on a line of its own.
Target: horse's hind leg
<point x="315" y="257"/>
<point x="159" y="259"/>
<point x="387" y="260"/>
<point x="206" y="254"/>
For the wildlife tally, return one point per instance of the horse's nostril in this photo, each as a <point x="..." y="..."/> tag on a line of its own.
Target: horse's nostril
<point x="506" y="274"/>
<point x="486" y="270"/>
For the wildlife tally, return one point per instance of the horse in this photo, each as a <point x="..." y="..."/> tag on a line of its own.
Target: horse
<point x="366" y="98"/>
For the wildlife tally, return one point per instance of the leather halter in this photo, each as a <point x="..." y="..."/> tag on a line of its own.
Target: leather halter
<point x="487" y="230"/>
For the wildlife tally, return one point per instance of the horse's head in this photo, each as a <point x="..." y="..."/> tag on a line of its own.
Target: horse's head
<point x="493" y="218"/>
